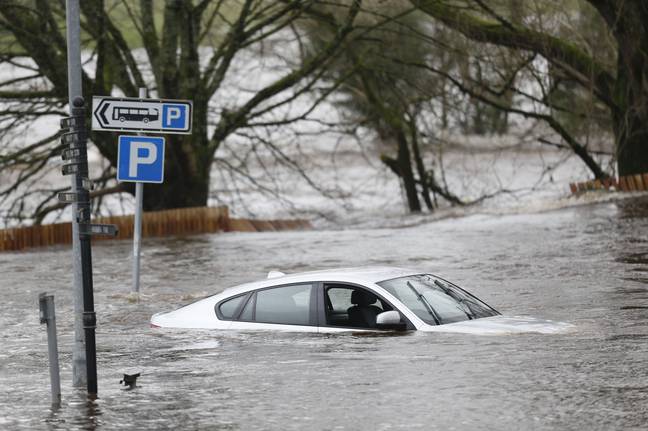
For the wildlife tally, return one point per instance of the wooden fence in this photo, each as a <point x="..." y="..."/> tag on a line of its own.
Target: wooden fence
<point x="175" y="222"/>
<point x="629" y="183"/>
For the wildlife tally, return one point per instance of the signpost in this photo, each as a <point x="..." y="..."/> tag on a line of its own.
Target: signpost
<point x="123" y="114"/>
<point x="73" y="38"/>
<point x="140" y="159"/>
<point x="75" y="155"/>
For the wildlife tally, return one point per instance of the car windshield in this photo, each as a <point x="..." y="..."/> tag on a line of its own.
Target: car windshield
<point x="435" y="300"/>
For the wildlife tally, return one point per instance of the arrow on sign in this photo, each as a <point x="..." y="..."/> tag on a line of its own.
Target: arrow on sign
<point x="102" y="113"/>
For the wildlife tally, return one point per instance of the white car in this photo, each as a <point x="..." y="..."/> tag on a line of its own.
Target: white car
<point x="350" y="299"/>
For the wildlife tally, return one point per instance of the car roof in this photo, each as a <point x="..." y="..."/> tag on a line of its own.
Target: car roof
<point x="360" y="275"/>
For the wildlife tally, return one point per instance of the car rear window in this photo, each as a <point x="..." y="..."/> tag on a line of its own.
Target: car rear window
<point x="229" y="307"/>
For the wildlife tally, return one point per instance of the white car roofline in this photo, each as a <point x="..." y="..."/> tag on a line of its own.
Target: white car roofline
<point x="360" y="275"/>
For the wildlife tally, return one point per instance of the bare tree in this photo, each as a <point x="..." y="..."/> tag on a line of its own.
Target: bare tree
<point x="620" y="86"/>
<point x="175" y="66"/>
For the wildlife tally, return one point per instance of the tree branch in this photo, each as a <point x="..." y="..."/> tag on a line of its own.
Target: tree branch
<point x="238" y="118"/>
<point x="561" y="53"/>
<point x="577" y="148"/>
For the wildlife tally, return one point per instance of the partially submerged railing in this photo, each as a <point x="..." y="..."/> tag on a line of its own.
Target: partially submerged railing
<point x="174" y="222"/>
<point x="628" y="183"/>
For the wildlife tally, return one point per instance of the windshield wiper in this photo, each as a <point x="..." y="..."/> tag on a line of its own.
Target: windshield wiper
<point x="463" y="301"/>
<point x="426" y="303"/>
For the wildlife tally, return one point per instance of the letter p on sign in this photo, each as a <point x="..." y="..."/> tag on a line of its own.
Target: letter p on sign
<point x="137" y="148"/>
<point x="140" y="159"/>
<point x="175" y="116"/>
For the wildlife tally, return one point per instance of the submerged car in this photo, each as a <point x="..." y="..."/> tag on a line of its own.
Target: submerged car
<point x="350" y="299"/>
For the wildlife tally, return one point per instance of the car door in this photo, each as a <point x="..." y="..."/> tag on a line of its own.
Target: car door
<point x="340" y="304"/>
<point x="289" y="307"/>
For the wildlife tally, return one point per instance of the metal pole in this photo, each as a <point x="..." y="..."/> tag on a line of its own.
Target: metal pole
<point x="74" y="90"/>
<point x="77" y="157"/>
<point x="137" y="231"/>
<point x="48" y="316"/>
<point x="137" y="235"/>
<point x="89" y="317"/>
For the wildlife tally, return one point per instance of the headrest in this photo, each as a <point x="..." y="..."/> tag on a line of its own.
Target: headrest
<point x="362" y="298"/>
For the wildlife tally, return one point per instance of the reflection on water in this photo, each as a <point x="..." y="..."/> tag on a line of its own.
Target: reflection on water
<point x="585" y="265"/>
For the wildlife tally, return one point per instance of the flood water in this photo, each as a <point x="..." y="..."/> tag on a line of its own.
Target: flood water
<point x="584" y="265"/>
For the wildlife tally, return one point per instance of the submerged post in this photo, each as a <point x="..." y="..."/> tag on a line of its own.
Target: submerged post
<point x="48" y="316"/>
<point x="137" y="235"/>
<point x="74" y="90"/>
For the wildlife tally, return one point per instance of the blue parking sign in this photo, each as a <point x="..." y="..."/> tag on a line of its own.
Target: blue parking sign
<point x="140" y="159"/>
<point x="175" y="116"/>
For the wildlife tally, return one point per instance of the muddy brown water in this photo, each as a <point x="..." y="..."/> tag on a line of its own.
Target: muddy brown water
<point x="584" y="265"/>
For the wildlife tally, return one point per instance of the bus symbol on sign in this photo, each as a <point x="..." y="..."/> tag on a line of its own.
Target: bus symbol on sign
<point x="141" y="115"/>
<point x="135" y="114"/>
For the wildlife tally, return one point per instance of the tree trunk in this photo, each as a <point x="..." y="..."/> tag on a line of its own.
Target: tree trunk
<point x="631" y="96"/>
<point x="407" y="175"/>
<point x="178" y="190"/>
<point x="631" y="131"/>
<point x="420" y="166"/>
<point x="402" y="167"/>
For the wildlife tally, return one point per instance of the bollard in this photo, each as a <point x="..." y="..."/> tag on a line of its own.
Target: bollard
<point x="48" y="316"/>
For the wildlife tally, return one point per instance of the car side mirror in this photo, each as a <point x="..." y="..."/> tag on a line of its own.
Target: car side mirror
<point x="390" y="320"/>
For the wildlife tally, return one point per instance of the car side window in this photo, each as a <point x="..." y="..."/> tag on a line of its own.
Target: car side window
<point x="352" y="307"/>
<point x="288" y="305"/>
<point x="228" y="308"/>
